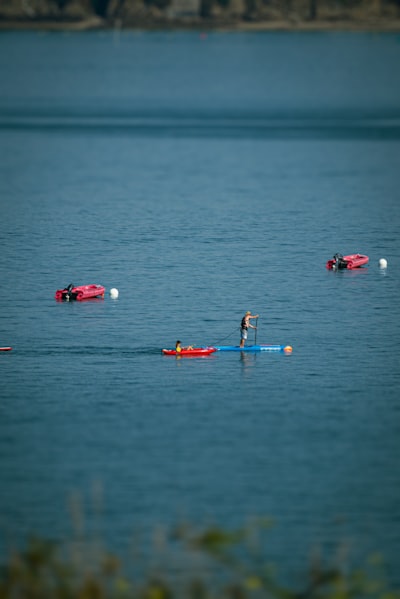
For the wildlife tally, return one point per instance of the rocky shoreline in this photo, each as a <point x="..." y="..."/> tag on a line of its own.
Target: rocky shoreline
<point x="201" y="15"/>
<point x="203" y="25"/>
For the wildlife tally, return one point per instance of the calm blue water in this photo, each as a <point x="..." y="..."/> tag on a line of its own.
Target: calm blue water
<point x="202" y="177"/>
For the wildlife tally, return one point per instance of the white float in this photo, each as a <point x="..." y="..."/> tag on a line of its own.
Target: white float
<point x="382" y="263"/>
<point x="114" y="293"/>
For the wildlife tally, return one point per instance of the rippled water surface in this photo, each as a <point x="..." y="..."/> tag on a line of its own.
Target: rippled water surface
<point x="202" y="176"/>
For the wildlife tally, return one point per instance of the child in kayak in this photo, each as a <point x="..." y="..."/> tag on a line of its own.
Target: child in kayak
<point x="178" y="347"/>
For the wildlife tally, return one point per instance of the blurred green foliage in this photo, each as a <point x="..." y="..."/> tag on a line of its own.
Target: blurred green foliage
<point x="47" y="570"/>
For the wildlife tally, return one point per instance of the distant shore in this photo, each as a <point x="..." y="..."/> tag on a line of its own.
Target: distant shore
<point x="384" y="25"/>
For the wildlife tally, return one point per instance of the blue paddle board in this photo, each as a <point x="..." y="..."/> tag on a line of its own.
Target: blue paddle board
<point x="283" y="348"/>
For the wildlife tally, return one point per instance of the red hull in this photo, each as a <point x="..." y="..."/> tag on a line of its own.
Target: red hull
<point x="196" y="351"/>
<point x="80" y="293"/>
<point x="350" y="262"/>
<point x="5" y="348"/>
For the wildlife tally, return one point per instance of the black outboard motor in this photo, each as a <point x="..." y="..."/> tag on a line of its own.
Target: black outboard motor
<point x="69" y="295"/>
<point x="339" y="262"/>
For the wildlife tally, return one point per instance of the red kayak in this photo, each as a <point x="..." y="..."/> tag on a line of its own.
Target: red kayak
<point x="5" y="348"/>
<point x="196" y="351"/>
<point x="350" y="262"/>
<point x="79" y="293"/>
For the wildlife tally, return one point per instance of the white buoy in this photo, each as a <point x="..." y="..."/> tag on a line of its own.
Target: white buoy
<point x="114" y="293"/>
<point x="382" y="263"/>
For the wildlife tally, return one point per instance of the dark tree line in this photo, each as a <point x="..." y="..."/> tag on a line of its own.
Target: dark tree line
<point x="251" y="10"/>
<point x="252" y="7"/>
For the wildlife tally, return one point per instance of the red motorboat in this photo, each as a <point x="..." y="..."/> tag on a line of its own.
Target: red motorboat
<point x="350" y="262"/>
<point x="195" y="351"/>
<point x="82" y="292"/>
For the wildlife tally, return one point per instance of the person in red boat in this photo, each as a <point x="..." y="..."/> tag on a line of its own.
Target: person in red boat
<point x="245" y="325"/>
<point x="179" y="348"/>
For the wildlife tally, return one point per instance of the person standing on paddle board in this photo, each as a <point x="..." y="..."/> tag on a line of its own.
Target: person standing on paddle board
<point x="244" y="325"/>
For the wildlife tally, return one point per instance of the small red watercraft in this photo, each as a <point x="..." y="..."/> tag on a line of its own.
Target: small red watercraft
<point x="350" y="262"/>
<point x="5" y="348"/>
<point x="195" y="351"/>
<point x="79" y="293"/>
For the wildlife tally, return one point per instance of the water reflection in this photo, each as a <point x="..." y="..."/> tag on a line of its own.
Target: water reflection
<point x="247" y="360"/>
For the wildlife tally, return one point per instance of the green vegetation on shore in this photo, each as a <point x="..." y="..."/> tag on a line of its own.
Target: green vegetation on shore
<point x="231" y="566"/>
<point x="201" y="14"/>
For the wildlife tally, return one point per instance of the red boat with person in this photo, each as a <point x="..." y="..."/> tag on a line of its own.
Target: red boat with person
<point x="194" y="351"/>
<point x="339" y="262"/>
<point x="82" y="292"/>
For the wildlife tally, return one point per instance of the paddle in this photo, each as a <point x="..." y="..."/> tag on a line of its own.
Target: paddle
<point x="255" y="332"/>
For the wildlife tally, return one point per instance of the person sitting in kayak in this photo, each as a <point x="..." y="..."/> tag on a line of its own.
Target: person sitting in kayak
<point x="179" y="348"/>
<point x="244" y="325"/>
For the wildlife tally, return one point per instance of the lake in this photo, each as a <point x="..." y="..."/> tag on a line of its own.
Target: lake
<point x="201" y="176"/>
